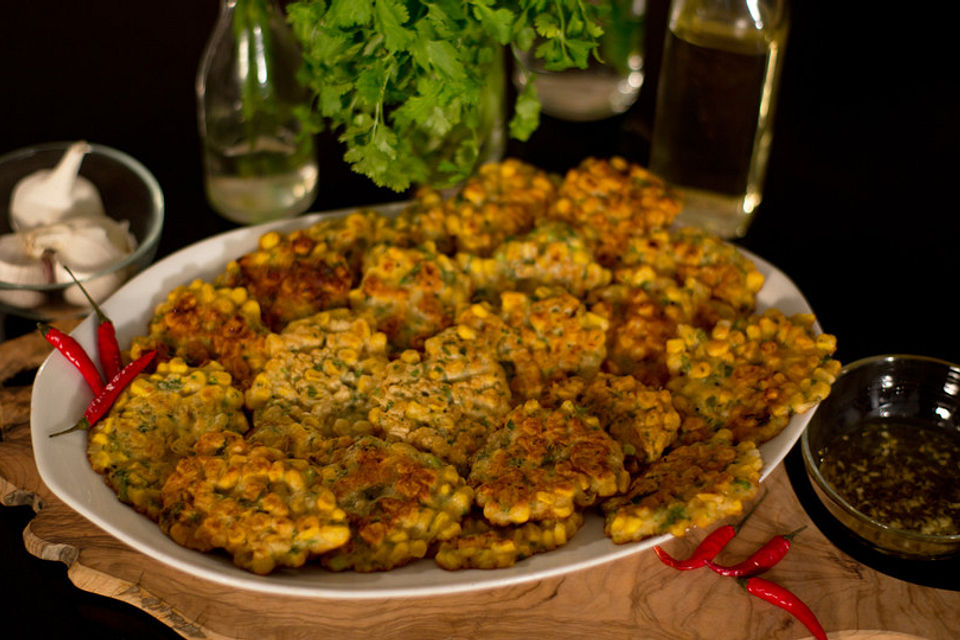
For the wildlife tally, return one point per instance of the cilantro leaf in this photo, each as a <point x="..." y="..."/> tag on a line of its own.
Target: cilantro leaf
<point x="403" y="82"/>
<point x="389" y="19"/>
<point x="526" y="115"/>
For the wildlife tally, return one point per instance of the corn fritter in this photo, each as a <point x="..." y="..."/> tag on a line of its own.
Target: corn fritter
<point x="641" y="319"/>
<point x="292" y="275"/>
<point x="483" y="546"/>
<point x="610" y="201"/>
<point x="502" y="200"/>
<point x="156" y="421"/>
<point x="753" y="375"/>
<point x="446" y="402"/>
<point x="695" y="259"/>
<point x="398" y="500"/>
<point x="261" y="507"/>
<point x="410" y="293"/>
<point x="318" y="381"/>
<point x="543" y="464"/>
<point x="691" y="486"/>
<point x="200" y="323"/>
<point x="642" y="419"/>
<point x="552" y="254"/>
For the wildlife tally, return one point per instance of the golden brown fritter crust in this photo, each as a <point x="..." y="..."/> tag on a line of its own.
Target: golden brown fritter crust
<point x="612" y="200"/>
<point x="423" y="220"/>
<point x="411" y="294"/>
<point x="543" y="464"/>
<point x="318" y="381"/>
<point x="503" y="199"/>
<point x="261" y="507"/>
<point x="350" y="235"/>
<point x="398" y="500"/>
<point x="540" y="338"/>
<point x="642" y="419"/>
<point x="751" y="376"/>
<point x="483" y="546"/>
<point x="552" y="254"/>
<point x="200" y="323"/>
<point x="641" y="319"/>
<point x="155" y="421"/>
<point x="722" y="280"/>
<point x="446" y="402"/>
<point x="292" y="276"/>
<point x="691" y="486"/>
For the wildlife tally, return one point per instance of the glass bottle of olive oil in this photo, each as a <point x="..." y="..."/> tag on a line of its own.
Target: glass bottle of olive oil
<point x="715" y="102"/>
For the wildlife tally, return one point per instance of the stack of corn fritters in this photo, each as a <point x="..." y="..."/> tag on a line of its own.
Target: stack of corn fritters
<point x="463" y="381"/>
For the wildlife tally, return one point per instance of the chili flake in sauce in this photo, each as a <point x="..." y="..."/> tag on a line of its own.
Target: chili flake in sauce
<point x="904" y="475"/>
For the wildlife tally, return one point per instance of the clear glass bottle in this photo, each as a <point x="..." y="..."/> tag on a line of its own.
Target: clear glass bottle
<point x="608" y="86"/>
<point x="712" y="126"/>
<point x="259" y="163"/>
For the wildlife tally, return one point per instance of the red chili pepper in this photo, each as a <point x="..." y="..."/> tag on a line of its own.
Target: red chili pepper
<point x="709" y="547"/>
<point x="72" y="350"/>
<point x="786" y="600"/>
<point x="107" y="345"/>
<point x="105" y="399"/>
<point x="762" y="559"/>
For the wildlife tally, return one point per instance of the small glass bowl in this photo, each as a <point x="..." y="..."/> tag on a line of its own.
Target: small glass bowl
<point x="907" y="389"/>
<point x="128" y="191"/>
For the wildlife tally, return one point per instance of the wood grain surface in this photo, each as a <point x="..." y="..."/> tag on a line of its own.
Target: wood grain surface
<point x="637" y="597"/>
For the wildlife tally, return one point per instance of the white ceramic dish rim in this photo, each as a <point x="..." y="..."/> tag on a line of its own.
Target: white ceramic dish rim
<point x="64" y="468"/>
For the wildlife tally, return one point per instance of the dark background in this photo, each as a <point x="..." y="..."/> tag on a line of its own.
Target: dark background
<point x="860" y="209"/>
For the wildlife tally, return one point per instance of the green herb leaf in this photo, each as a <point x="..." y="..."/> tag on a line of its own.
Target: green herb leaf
<point x="389" y="19"/>
<point x="402" y="82"/>
<point x="526" y="115"/>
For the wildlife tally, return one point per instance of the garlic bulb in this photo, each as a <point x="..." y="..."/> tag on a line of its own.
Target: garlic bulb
<point x="52" y="195"/>
<point x="61" y="224"/>
<point x="19" y="267"/>
<point x="87" y="246"/>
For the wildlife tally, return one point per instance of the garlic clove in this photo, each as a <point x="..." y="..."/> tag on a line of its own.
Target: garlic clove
<point x="99" y="288"/>
<point x="89" y="243"/>
<point x="17" y="267"/>
<point x="87" y="246"/>
<point x="53" y="195"/>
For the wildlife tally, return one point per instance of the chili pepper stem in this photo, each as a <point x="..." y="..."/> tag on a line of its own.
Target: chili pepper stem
<point x="82" y="425"/>
<point x="110" y="358"/>
<point x="764" y="558"/>
<point x="710" y="546"/>
<point x="793" y="534"/>
<point x="101" y="316"/>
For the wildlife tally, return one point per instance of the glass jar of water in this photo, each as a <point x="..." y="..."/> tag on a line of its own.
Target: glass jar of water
<point x="259" y="162"/>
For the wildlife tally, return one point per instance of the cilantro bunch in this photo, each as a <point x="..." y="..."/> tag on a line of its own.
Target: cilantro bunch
<point x="402" y="81"/>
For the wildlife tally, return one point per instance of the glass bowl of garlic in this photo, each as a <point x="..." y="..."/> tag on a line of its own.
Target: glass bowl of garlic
<point x="73" y="208"/>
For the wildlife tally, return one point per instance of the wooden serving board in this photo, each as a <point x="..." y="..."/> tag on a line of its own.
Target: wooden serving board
<point x="637" y="597"/>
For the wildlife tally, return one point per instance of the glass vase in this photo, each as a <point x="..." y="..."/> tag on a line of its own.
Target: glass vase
<point x="610" y="83"/>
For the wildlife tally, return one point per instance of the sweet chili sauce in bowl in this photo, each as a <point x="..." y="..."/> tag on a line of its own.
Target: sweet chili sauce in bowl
<point x="883" y="454"/>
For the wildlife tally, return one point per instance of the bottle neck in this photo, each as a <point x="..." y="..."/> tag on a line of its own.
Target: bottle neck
<point x="742" y="15"/>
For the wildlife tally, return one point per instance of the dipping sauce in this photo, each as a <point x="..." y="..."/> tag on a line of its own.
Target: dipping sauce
<point x="905" y="475"/>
